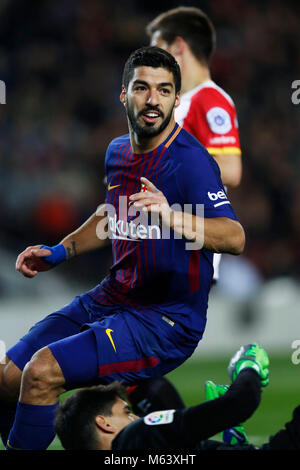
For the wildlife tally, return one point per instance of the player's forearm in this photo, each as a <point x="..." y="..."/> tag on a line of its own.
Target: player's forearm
<point x="220" y="235"/>
<point x="89" y="236"/>
<point x="236" y="406"/>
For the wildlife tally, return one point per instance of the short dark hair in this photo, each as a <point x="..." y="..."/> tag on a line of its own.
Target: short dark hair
<point x="75" y="418"/>
<point x="192" y="24"/>
<point x="151" y="57"/>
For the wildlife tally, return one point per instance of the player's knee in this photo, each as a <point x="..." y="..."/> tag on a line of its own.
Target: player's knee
<point x="42" y="372"/>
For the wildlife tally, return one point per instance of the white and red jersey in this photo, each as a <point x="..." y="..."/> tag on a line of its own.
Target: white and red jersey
<point x="209" y="114"/>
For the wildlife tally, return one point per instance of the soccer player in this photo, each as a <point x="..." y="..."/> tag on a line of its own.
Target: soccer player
<point x="99" y="418"/>
<point x="148" y="315"/>
<point x="205" y="109"/>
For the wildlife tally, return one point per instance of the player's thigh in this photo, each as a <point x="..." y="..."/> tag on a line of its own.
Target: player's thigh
<point x="102" y="353"/>
<point x="76" y="356"/>
<point x="63" y="323"/>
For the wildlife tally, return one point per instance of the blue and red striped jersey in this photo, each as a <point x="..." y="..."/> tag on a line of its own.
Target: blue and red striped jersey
<point x="152" y="269"/>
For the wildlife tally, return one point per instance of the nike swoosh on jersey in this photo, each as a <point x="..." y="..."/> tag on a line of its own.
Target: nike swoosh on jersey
<point x="108" y="332"/>
<point x="112" y="187"/>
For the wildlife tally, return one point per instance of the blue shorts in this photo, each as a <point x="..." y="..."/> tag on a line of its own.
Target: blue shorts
<point x="96" y="343"/>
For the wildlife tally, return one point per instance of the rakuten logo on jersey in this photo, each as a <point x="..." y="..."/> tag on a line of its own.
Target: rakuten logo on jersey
<point x="126" y="222"/>
<point x="218" y="195"/>
<point x="132" y="231"/>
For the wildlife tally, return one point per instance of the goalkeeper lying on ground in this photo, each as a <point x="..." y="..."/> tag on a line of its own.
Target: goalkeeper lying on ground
<point x="99" y="418"/>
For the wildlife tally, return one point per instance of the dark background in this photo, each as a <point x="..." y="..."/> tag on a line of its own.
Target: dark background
<point x="62" y="64"/>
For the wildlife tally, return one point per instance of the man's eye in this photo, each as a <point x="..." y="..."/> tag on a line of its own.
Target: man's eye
<point x="165" y="91"/>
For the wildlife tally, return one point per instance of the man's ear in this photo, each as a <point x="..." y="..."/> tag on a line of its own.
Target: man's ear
<point x="123" y="96"/>
<point x="177" y="47"/>
<point x="103" y="423"/>
<point x="177" y="100"/>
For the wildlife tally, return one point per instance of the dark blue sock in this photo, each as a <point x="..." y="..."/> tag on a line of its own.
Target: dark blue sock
<point x="32" y="428"/>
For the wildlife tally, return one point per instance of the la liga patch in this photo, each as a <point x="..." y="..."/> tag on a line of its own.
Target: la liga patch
<point x="159" y="417"/>
<point x="219" y="120"/>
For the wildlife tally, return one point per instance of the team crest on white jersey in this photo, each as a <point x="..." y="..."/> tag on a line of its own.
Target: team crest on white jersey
<point x="219" y="120"/>
<point x="159" y="417"/>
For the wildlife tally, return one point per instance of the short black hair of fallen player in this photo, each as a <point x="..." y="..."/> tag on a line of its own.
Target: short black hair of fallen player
<point x="151" y="56"/>
<point x="75" y="418"/>
<point x="192" y="24"/>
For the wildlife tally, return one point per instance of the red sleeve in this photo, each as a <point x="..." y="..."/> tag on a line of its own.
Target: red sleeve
<point x="213" y="121"/>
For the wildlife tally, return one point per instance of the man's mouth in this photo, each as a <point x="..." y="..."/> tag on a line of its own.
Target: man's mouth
<point x="151" y="117"/>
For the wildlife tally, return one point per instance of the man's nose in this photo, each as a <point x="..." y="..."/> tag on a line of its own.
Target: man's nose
<point x="152" y="98"/>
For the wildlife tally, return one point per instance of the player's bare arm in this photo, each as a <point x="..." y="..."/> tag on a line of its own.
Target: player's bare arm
<point x="230" y="167"/>
<point x="86" y="238"/>
<point x="221" y="234"/>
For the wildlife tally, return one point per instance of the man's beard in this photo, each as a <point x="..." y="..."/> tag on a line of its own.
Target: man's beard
<point x="147" y="130"/>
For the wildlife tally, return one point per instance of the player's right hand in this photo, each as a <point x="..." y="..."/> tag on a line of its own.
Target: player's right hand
<point x="250" y="356"/>
<point x="30" y="261"/>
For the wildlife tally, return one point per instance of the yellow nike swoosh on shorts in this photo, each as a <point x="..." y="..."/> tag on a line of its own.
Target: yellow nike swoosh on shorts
<point x="112" y="187"/>
<point x="108" y="332"/>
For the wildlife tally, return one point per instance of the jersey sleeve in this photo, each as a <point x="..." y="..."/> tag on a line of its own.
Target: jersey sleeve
<point x="113" y="148"/>
<point x="213" y="121"/>
<point x="108" y="157"/>
<point x="201" y="183"/>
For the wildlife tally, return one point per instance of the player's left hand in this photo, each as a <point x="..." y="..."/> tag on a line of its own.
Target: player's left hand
<point x="152" y="200"/>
